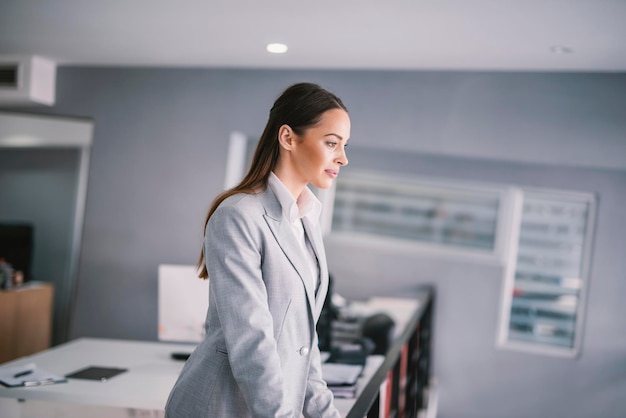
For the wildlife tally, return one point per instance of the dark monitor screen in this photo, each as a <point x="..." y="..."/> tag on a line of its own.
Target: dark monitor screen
<point x="16" y="246"/>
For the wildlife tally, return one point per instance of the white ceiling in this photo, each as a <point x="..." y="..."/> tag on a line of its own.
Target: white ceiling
<point x="322" y="34"/>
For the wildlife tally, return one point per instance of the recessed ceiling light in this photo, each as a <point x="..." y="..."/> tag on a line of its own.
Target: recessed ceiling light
<point x="560" y="49"/>
<point x="276" y="48"/>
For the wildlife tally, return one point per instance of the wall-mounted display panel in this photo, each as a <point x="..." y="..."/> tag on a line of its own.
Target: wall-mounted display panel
<point x="548" y="274"/>
<point x="448" y="217"/>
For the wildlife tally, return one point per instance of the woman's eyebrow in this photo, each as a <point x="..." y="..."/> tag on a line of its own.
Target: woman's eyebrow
<point x="335" y="135"/>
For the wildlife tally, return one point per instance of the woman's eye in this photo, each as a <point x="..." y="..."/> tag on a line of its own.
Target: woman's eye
<point x="331" y="144"/>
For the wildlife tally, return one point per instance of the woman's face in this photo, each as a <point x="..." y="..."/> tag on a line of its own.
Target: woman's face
<point x="320" y="152"/>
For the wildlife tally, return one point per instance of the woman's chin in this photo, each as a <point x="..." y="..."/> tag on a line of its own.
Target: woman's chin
<point x="326" y="184"/>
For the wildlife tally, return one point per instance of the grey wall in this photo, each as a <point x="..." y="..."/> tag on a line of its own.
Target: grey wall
<point x="158" y="158"/>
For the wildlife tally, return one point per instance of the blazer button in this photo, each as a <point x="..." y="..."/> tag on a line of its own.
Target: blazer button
<point x="304" y="351"/>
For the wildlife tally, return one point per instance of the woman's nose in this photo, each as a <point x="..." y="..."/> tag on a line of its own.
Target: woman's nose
<point x="342" y="158"/>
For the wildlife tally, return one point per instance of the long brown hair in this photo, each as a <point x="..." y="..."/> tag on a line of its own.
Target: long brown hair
<point x="300" y="106"/>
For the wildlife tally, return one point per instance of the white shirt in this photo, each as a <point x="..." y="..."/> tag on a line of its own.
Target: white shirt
<point x="294" y="210"/>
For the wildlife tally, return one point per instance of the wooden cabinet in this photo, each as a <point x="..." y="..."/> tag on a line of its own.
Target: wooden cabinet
<point x="25" y="320"/>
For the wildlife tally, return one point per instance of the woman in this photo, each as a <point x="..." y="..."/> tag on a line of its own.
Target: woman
<point x="264" y="256"/>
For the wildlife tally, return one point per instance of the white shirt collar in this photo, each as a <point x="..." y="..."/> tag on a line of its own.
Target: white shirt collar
<point x="307" y="204"/>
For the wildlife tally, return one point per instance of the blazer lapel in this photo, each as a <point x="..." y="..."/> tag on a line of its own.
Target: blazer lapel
<point x="288" y="243"/>
<point x="315" y="237"/>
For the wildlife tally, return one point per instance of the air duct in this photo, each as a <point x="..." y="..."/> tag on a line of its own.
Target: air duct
<point x="27" y="80"/>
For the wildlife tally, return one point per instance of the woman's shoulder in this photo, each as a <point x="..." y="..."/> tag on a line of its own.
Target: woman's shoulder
<point x="241" y="201"/>
<point x="239" y="211"/>
<point x="240" y="205"/>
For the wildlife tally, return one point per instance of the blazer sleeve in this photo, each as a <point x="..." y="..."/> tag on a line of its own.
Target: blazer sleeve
<point x="233" y="250"/>
<point x="318" y="402"/>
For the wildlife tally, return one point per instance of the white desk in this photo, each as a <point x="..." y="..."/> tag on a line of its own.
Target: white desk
<point x="144" y="387"/>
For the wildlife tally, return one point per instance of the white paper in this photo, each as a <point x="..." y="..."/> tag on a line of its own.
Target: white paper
<point x="34" y="376"/>
<point x="341" y="374"/>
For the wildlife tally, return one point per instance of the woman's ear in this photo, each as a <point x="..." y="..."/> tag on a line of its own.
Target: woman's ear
<point x="286" y="136"/>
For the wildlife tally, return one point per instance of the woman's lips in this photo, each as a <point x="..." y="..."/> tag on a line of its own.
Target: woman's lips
<point x="332" y="173"/>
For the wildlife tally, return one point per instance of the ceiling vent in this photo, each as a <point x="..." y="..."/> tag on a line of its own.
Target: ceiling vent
<point x="27" y="80"/>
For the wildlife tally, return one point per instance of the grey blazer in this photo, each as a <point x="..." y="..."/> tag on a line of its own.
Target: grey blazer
<point x="260" y="356"/>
